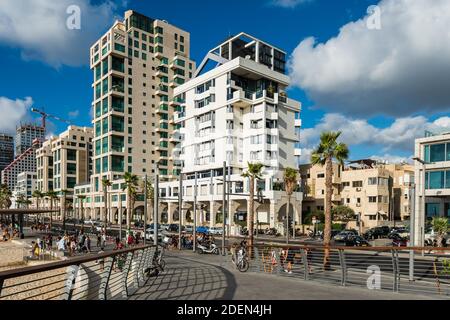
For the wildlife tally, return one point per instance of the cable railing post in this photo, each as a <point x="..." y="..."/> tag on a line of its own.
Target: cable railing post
<point x="138" y="265"/>
<point x="343" y="267"/>
<point x="71" y="272"/>
<point x="126" y="272"/>
<point x="395" y="270"/>
<point x="278" y="259"/>
<point x="105" y="278"/>
<point x="1" y="286"/>
<point x="305" y="263"/>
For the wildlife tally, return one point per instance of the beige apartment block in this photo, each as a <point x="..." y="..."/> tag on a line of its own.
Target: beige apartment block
<point x="136" y="65"/>
<point x="65" y="161"/>
<point x="377" y="192"/>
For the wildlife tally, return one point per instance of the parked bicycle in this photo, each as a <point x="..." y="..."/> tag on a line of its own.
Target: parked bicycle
<point x="240" y="257"/>
<point x="158" y="264"/>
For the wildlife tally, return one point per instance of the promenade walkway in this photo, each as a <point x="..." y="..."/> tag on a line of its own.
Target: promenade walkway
<point x="189" y="276"/>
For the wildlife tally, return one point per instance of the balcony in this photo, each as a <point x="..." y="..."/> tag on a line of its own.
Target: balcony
<point x="241" y="98"/>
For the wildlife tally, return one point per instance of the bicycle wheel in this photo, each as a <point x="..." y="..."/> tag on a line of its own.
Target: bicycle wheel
<point x="243" y="265"/>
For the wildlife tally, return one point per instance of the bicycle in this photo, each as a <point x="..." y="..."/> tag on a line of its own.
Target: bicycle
<point x="158" y="264"/>
<point x="240" y="258"/>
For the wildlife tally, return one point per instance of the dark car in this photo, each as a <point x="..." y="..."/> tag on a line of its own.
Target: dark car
<point x="377" y="233"/>
<point x="398" y="241"/>
<point x="344" y="235"/>
<point x="139" y="224"/>
<point x="356" y="241"/>
<point x="173" y="227"/>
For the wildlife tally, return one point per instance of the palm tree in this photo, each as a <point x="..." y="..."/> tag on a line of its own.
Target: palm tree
<point x="82" y="198"/>
<point x="440" y="227"/>
<point x="253" y="173"/>
<point x="105" y="184"/>
<point x="52" y="195"/>
<point x="38" y="195"/>
<point x="131" y="182"/>
<point x="64" y="193"/>
<point x="5" y="197"/>
<point x="327" y="150"/>
<point x="290" y="183"/>
<point x="20" y="200"/>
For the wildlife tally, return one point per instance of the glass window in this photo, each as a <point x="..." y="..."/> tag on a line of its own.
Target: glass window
<point x="436" y="179"/>
<point x="119" y="47"/>
<point x="105" y="66"/>
<point x="437" y="152"/>
<point x="432" y="209"/>
<point x="98" y="110"/>
<point x="105" y="164"/>
<point x="105" y="106"/>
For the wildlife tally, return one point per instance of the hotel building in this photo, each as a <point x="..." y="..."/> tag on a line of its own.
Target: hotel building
<point x="6" y="150"/>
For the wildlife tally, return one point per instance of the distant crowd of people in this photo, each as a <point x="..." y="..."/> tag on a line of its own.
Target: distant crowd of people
<point x="9" y="231"/>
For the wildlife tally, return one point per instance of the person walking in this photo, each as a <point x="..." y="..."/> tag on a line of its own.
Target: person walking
<point x="88" y="244"/>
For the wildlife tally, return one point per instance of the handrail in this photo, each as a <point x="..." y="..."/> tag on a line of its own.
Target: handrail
<point x="66" y="263"/>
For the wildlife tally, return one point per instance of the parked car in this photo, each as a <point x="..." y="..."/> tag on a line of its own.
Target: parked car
<point x="202" y="229"/>
<point x="189" y="229"/>
<point x="401" y="231"/>
<point x="165" y="226"/>
<point x="431" y="239"/>
<point x="216" y="231"/>
<point x="173" y="227"/>
<point x="344" y="235"/>
<point x="377" y="233"/>
<point x="398" y="241"/>
<point x="139" y="224"/>
<point x="356" y="241"/>
<point x="149" y="235"/>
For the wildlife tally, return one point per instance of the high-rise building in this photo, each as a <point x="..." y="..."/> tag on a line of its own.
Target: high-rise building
<point x="25" y="135"/>
<point x="6" y="150"/>
<point x="25" y="162"/>
<point x="65" y="161"/>
<point x="26" y="184"/>
<point x="136" y="65"/>
<point x="237" y="112"/>
<point x="432" y="181"/>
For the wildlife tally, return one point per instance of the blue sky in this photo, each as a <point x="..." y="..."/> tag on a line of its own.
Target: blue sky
<point x="341" y="96"/>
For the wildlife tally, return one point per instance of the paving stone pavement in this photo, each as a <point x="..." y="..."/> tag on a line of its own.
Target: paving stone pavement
<point x="189" y="276"/>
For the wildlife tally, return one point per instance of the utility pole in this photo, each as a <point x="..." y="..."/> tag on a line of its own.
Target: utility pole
<point x="412" y="229"/>
<point x="180" y="209"/>
<point x="145" y="206"/>
<point x="156" y="204"/>
<point x="120" y="216"/>
<point x="224" y="205"/>
<point x="194" y="231"/>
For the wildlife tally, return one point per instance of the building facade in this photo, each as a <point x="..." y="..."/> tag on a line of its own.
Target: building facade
<point x="26" y="162"/>
<point x="65" y="161"/>
<point x="25" y="135"/>
<point x="237" y="113"/>
<point x="432" y="177"/>
<point x="377" y="192"/>
<point x="26" y="184"/>
<point x="136" y="66"/>
<point x="6" y="150"/>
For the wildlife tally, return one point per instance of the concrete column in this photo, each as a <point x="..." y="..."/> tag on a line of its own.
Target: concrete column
<point x="170" y="210"/>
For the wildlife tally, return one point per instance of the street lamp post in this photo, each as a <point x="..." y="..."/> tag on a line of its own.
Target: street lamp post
<point x="194" y="231"/>
<point x="156" y="204"/>
<point x="145" y="207"/>
<point x="180" y="210"/>
<point x="224" y="199"/>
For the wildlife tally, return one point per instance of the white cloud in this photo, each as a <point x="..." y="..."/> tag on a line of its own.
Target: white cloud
<point x="12" y="112"/>
<point x="392" y="159"/>
<point x="399" y="70"/>
<point x="288" y="3"/>
<point x="396" y="138"/>
<point x="74" y="114"/>
<point x="38" y="28"/>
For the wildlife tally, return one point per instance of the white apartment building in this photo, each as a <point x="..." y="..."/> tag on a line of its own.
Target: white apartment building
<point x="239" y="113"/>
<point x="432" y="176"/>
<point x="26" y="184"/>
<point x="26" y="162"/>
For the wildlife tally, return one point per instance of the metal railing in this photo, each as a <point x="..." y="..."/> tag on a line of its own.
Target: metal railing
<point x="104" y="276"/>
<point x="375" y="268"/>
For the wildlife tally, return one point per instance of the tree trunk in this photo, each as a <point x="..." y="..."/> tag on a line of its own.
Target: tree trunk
<point x="105" y="199"/>
<point x="128" y="210"/>
<point x="288" y="213"/>
<point x="251" y="213"/>
<point x="51" y="213"/>
<point x="64" y="213"/>
<point x="328" y="195"/>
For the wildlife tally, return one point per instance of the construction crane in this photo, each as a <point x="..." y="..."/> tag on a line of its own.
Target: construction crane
<point x="47" y="115"/>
